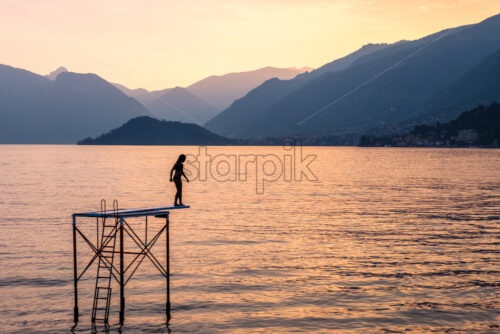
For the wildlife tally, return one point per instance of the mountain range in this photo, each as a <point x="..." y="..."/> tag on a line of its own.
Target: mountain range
<point x="63" y="107"/>
<point x="174" y="104"/>
<point x="221" y="91"/>
<point x="380" y="88"/>
<point x="36" y="109"/>
<point x="204" y="99"/>
<point x="387" y="85"/>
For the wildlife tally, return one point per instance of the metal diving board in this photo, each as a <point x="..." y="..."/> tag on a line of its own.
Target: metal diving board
<point x="132" y="212"/>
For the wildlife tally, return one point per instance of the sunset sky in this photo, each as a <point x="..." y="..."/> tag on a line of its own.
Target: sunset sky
<point x="160" y="44"/>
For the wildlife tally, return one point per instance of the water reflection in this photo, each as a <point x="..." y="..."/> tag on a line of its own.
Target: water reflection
<point x="401" y="240"/>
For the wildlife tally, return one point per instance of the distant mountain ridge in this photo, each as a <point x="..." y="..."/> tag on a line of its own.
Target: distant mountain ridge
<point x="173" y="104"/>
<point x="257" y="102"/>
<point x="346" y="61"/>
<point x="63" y="106"/>
<point x="201" y="101"/>
<point x="222" y="90"/>
<point x="418" y="72"/>
<point x="37" y="110"/>
<point x="380" y="87"/>
<point x="53" y="75"/>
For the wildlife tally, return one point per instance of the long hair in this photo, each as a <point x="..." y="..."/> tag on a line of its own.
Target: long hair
<point x="181" y="158"/>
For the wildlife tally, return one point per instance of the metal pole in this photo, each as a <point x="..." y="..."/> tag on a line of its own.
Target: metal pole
<point x="168" y="269"/>
<point x="75" y="273"/>
<point x="122" y="282"/>
<point x="97" y="232"/>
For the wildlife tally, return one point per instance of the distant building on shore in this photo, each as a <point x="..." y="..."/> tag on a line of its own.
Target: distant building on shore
<point x="477" y="127"/>
<point x="468" y="136"/>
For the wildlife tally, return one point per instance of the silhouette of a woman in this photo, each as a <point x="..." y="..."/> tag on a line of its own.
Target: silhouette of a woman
<point x="179" y="171"/>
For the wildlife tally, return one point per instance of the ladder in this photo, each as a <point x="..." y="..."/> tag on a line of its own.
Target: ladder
<point x="102" y="292"/>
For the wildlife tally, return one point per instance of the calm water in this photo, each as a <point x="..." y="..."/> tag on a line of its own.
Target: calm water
<point x="386" y="241"/>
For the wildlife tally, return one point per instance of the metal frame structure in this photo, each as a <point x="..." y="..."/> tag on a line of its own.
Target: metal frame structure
<point x="121" y="229"/>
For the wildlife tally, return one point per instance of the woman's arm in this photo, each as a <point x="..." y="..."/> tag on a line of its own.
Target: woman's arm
<point x="171" y="171"/>
<point x="185" y="176"/>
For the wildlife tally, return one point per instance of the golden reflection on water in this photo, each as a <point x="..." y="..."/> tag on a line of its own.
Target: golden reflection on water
<point x="402" y="240"/>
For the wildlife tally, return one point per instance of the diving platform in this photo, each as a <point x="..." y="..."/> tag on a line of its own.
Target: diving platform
<point x="107" y="245"/>
<point x="141" y="212"/>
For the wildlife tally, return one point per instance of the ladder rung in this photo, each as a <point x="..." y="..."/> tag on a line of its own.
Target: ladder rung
<point x="103" y="276"/>
<point x="102" y="287"/>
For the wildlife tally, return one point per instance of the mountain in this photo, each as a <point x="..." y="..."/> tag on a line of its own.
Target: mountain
<point x="221" y="90"/>
<point x="256" y="103"/>
<point x="37" y="110"/>
<point x="394" y="84"/>
<point x="344" y="62"/>
<point x="480" y="85"/>
<point x="479" y="126"/>
<point x="173" y="104"/>
<point x="204" y="99"/>
<point x="53" y="75"/>
<point x="145" y="130"/>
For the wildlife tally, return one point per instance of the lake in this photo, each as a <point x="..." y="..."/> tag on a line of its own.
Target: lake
<point x="380" y="240"/>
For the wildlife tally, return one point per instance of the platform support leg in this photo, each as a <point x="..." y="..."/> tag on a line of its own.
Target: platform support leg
<point x="122" y="282"/>
<point x="168" y="268"/>
<point x="75" y="272"/>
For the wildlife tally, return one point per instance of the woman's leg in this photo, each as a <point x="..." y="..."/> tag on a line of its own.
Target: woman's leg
<point x="180" y="192"/>
<point x="178" y="195"/>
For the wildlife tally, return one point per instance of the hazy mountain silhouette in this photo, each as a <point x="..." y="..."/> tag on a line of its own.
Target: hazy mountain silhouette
<point x="53" y="75"/>
<point x="425" y="67"/>
<point x="173" y="104"/>
<point x="145" y="130"/>
<point x="480" y="85"/>
<point x="257" y="102"/>
<point x="221" y="90"/>
<point x="344" y="62"/>
<point x="35" y="109"/>
<point x="204" y="99"/>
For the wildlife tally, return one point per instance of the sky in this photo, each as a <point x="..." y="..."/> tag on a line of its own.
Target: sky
<point x="156" y="44"/>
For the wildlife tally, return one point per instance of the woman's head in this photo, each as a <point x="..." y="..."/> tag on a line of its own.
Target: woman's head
<point x="181" y="158"/>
